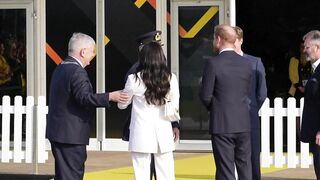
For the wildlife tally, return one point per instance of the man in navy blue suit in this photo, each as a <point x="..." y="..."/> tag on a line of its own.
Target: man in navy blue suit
<point x="257" y="96"/>
<point x="225" y="89"/>
<point x="310" y="127"/>
<point x="72" y="105"/>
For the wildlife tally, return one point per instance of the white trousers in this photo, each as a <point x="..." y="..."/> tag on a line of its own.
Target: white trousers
<point x="164" y="165"/>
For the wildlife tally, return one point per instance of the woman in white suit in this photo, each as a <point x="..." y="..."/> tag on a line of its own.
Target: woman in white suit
<point x="149" y="131"/>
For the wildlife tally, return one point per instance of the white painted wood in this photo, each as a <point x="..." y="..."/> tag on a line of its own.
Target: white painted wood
<point x="6" y="154"/>
<point x="305" y="157"/>
<point x="18" y="110"/>
<point x="29" y="128"/>
<point x="292" y="114"/>
<point x="42" y="111"/>
<point x="265" y="113"/>
<point x="279" y="159"/>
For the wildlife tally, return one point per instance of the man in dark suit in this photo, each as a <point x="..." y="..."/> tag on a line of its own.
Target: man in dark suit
<point x="153" y="36"/>
<point x="310" y="128"/>
<point x="225" y="89"/>
<point x="71" y="107"/>
<point x="257" y="96"/>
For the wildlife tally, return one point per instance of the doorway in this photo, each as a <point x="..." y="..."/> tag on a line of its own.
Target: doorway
<point x="16" y="47"/>
<point x="191" y="45"/>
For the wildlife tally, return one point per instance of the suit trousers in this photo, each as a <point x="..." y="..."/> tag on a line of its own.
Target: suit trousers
<point x="315" y="149"/>
<point x="69" y="160"/>
<point x="229" y="150"/>
<point x="255" y="153"/>
<point x="152" y="169"/>
<point x="164" y="165"/>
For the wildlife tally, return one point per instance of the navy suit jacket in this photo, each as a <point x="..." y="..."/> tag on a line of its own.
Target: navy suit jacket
<point x="258" y="91"/>
<point x="72" y="104"/>
<point x="225" y="89"/>
<point x="311" y="110"/>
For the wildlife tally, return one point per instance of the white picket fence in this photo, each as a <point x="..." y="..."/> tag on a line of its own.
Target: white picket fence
<point x="33" y="148"/>
<point x="291" y="158"/>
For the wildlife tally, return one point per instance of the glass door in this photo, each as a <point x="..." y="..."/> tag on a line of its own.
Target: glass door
<point x="16" y="51"/>
<point x="15" y="47"/>
<point x="191" y="44"/>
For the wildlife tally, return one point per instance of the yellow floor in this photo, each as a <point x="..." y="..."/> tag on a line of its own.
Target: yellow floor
<point x="195" y="168"/>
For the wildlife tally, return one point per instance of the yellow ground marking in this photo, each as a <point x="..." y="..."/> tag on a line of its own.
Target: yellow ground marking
<point x="193" y="168"/>
<point x="139" y="3"/>
<point x="202" y="22"/>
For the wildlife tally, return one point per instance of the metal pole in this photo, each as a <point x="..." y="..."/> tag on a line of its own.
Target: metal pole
<point x="34" y="141"/>
<point x="100" y="67"/>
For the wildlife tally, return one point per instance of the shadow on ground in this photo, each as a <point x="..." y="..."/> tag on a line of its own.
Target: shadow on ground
<point x="274" y="178"/>
<point x="25" y="177"/>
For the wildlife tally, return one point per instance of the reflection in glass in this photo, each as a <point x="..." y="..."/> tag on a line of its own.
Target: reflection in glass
<point x="194" y="49"/>
<point x="12" y="56"/>
<point x="13" y="52"/>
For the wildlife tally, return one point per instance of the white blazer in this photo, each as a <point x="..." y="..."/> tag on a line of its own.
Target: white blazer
<point x="149" y="132"/>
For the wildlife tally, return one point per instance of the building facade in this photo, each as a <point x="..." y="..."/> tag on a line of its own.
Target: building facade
<point x="40" y="30"/>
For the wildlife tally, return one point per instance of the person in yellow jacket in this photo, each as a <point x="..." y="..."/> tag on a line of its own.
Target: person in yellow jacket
<point x="5" y="72"/>
<point x="299" y="73"/>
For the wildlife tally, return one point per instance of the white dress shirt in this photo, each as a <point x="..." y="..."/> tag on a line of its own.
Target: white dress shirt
<point x="315" y="64"/>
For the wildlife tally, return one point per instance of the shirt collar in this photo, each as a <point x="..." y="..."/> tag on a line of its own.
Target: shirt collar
<point x="226" y="49"/>
<point x="77" y="60"/>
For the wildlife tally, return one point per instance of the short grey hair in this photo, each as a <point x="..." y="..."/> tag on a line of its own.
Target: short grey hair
<point x="313" y="36"/>
<point x="79" y="41"/>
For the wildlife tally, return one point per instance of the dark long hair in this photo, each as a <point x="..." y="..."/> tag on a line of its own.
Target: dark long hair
<point x="155" y="73"/>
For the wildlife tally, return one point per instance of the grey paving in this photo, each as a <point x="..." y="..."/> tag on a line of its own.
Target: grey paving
<point x="98" y="161"/>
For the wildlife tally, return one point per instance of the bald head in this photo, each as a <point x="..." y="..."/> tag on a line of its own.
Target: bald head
<point x="224" y="37"/>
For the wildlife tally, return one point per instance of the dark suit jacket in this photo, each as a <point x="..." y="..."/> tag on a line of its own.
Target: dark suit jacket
<point x="72" y="104"/>
<point x="224" y="91"/>
<point x="311" y="110"/>
<point x="258" y="91"/>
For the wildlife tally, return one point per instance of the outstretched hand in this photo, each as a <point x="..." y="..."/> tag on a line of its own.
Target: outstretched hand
<point x="118" y="96"/>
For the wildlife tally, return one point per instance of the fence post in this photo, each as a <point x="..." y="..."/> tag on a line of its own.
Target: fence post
<point x="279" y="159"/>
<point x="265" y="113"/>
<point x="17" y="138"/>
<point x="292" y="114"/>
<point x="6" y="154"/>
<point x="29" y="128"/>
<point x="42" y="111"/>
<point x="35" y="142"/>
<point x="305" y="158"/>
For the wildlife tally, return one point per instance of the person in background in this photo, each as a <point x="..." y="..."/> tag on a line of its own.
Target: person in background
<point x="225" y="91"/>
<point x="17" y="78"/>
<point x="299" y="73"/>
<point x="257" y="96"/>
<point x="72" y="105"/>
<point x="153" y="36"/>
<point x="150" y="133"/>
<point x="5" y="72"/>
<point x="310" y="127"/>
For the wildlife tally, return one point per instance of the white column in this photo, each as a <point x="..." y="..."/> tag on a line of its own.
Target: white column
<point x="100" y="65"/>
<point x="232" y="12"/>
<point x="39" y="53"/>
<point x="161" y="22"/>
